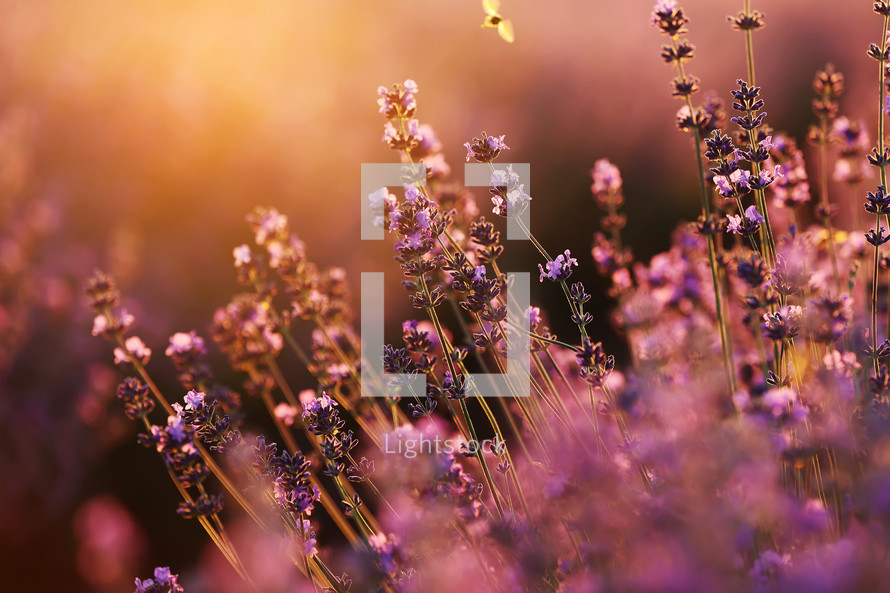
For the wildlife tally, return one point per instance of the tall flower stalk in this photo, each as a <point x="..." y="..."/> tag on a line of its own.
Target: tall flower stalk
<point x="880" y="157"/>
<point x="671" y="20"/>
<point x="747" y="21"/>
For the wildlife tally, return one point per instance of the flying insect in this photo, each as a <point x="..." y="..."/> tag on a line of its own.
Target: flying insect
<point x="494" y="20"/>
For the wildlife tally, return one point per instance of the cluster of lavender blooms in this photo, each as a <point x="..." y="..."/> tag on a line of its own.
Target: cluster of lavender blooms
<point x="744" y="446"/>
<point x="163" y="582"/>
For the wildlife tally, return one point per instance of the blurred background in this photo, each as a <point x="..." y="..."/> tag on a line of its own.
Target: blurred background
<point x="135" y="136"/>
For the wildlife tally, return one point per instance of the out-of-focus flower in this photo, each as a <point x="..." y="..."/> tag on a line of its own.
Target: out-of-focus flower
<point x="135" y="348"/>
<point x="164" y="582"/>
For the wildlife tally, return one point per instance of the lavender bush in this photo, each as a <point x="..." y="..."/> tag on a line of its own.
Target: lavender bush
<point x="743" y="444"/>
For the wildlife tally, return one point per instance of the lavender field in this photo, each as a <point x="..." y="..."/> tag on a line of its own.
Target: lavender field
<point x="428" y="297"/>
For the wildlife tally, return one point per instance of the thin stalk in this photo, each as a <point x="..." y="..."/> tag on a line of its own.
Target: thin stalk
<point x="749" y="46"/>
<point x="205" y="454"/>
<point x="725" y="344"/>
<point x="826" y="204"/>
<point x="480" y="455"/>
<point x="881" y="73"/>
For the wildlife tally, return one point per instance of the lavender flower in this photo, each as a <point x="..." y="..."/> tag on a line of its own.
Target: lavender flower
<point x="135" y="349"/>
<point x="418" y="222"/>
<point x="382" y="203"/>
<point x="783" y="324"/>
<point x="245" y="331"/>
<point x="102" y="292"/>
<point x="877" y="202"/>
<point x="606" y="179"/>
<point x="269" y="225"/>
<point x="485" y="149"/>
<point x="112" y="325"/>
<point x="791" y="189"/>
<point x="138" y="402"/>
<point x="163" y="582"/>
<point x="242" y="256"/>
<point x="745" y="225"/>
<point x="828" y="318"/>
<point x="292" y="487"/>
<point x="399" y="101"/>
<point x="559" y="269"/>
<point x="190" y="358"/>
<point x="508" y="195"/>
<point x="386" y="550"/>
<point x="669" y="18"/>
<point x="321" y="416"/>
<point x="398" y="105"/>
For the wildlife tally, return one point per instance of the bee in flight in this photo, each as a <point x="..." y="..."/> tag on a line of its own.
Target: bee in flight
<point x="494" y="20"/>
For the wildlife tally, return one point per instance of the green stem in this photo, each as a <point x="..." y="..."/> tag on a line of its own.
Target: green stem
<point x="725" y="344"/>
<point x="749" y="46"/>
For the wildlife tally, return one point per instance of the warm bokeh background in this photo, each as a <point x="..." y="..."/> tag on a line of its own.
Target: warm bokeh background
<point x="136" y="136"/>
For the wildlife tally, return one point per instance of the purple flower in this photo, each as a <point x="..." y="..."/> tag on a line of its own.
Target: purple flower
<point x="384" y="101"/>
<point x="741" y="178"/>
<point x="665" y="6"/>
<point x="724" y="186"/>
<point x="135" y="349"/>
<point x="390" y="134"/>
<point x="508" y="195"/>
<point x="305" y="537"/>
<point x="558" y="269"/>
<point x="664" y="16"/>
<point x="778" y="400"/>
<point x="269" y="225"/>
<point x="194" y="400"/>
<point x="386" y="552"/>
<point x="736" y="184"/>
<point x="606" y="177"/>
<point x="176" y="429"/>
<point x="321" y="416"/>
<point x="746" y="224"/>
<point x="138" y="403"/>
<point x="381" y="202"/>
<point x="500" y="177"/>
<point x="412" y="194"/>
<point x="189" y="357"/>
<point x="751" y="213"/>
<point x="286" y="413"/>
<point x="119" y="324"/>
<point x="886" y="107"/>
<point x="768" y="567"/>
<point x="486" y="148"/>
<point x="408" y="100"/>
<point x="784" y="323"/>
<point x="429" y="142"/>
<point x="422" y="218"/>
<point x="402" y="141"/>
<point x="735" y="224"/>
<point x="853" y="134"/>
<point x="398" y="102"/>
<point x="162" y="575"/>
<point x="185" y="343"/>
<point x="418" y="223"/>
<point x="242" y="255"/>
<point x="765" y="178"/>
<point x="497" y="143"/>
